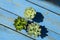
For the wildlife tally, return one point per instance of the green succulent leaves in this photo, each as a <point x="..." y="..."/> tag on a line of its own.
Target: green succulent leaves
<point x="20" y="23"/>
<point x="29" y="13"/>
<point x="34" y="29"/>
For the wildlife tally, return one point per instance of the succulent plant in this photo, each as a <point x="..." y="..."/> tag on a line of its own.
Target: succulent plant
<point x="20" y="23"/>
<point x="34" y="29"/>
<point x="29" y="13"/>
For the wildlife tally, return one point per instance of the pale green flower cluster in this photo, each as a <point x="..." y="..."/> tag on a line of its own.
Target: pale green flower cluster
<point x="34" y="29"/>
<point x="29" y="13"/>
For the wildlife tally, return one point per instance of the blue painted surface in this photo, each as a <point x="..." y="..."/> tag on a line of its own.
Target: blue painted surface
<point x="51" y="20"/>
<point x="49" y="5"/>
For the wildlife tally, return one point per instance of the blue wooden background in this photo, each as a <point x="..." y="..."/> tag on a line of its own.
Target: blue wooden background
<point x="51" y="21"/>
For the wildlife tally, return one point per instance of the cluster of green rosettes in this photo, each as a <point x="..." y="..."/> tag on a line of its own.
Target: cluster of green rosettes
<point x="20" y="23"/>
<point x="34" y="29"/>
<point x="30" y="13"/>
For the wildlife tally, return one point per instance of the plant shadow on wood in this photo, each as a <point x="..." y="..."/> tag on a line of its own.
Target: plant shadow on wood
<point x="38" y="17"/>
